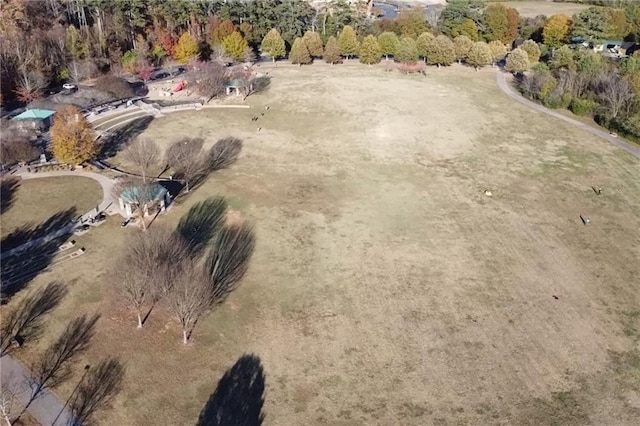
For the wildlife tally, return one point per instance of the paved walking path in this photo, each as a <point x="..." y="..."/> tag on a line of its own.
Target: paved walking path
<point x="45" y="408"/>
<point x="501" y="79"/>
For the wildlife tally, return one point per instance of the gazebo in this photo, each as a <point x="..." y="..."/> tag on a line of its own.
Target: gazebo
<point x="237" y="85"/>
<point x="144" y="195"/>
<point x="39" y="119"/>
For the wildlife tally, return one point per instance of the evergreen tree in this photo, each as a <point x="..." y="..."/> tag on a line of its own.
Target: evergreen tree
<point x="273" y="45"/>
<point x="332" y="51"/>
<point x="498" y="51"/>
<point x="314" y="44"/>
<point x="422" y="44"/>
<point x="235" y="45"/>
<point x="462" y="44"/>
<point x="299" y="53"/>
<point x="348" y="42"/>
<point x="369" y="51"/>
<point x="388" y="42"/>
<point x="532" y="49"/>
<point x="407" y="52"/>
<point x="186" y="49"/>
<point x="479" y="55"/>
<point x="517" y="61"/>
<point x="441" y="51"/>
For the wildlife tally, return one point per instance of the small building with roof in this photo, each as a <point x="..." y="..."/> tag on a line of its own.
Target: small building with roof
<point x="144" y="197"/>
<point x="238" y="85"/>
<point x="36" y="119"/>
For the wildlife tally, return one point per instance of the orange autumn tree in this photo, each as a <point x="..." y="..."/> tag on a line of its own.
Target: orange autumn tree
<point x="72" y="137"/>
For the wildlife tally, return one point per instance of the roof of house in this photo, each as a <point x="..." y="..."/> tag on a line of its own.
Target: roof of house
<point x="237" y="82"/>
<point x="139" y="193"/>
<point x="34" y="114"/>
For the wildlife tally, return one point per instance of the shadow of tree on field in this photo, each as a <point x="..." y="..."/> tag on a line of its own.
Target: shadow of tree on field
<point x="19" y="269"/>
<point x="8" y="189"/>
<point x="199" y="225"/>
<point x="102" y="384"/>
<point x="120" y="137"/>
<point x="239" y="396"/>
<point x="24" y="322"/>
<point x="28" y="233"/>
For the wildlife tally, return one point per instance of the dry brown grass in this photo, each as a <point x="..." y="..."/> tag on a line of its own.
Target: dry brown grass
<point x="386" y="288"/>
<point x="36" y="200"/>
<point x="530" y="9"/>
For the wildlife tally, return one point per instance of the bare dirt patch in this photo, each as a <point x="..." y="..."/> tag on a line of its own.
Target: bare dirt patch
<point x="386" y="288"/>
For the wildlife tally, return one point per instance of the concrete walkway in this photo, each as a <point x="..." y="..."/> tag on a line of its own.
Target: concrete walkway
<point x="47" y="409"/>
<point x="501" y="80"/>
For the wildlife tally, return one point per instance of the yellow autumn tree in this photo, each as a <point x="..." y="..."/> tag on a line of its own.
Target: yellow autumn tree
<point x="186" y="49"/>
<point x="73" y="140"/>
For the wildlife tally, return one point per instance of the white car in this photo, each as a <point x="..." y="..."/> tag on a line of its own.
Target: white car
<point x="69" y="86"/>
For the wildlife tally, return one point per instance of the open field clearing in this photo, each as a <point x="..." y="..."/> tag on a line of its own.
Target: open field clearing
<point x="386" y="287"/>
<point x="534" y="8"/>
<point x="36" y="200"/>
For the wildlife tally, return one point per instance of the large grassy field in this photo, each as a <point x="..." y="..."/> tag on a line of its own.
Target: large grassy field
<point x="530" y="9"/>
<point x="386" y="287"/>
<point x="33" y="201"/>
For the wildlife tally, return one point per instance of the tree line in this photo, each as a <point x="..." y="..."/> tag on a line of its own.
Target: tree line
<point x="46" y="42"/>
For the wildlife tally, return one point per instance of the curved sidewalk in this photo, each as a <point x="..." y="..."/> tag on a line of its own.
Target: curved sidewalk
<point x="501" y="80"/>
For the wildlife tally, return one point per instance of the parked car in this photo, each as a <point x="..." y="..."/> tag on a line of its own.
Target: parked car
<point x="70" y="87"/>
<point x="127" y="221"/>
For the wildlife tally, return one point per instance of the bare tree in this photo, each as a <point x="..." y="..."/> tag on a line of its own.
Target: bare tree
<point x="149" y="266"/>
<point x="229" y="259"/>
<point x="209" y="79"/>
<point x="143" y="154"/>
<point x="14" y="146"/>
<point x="224" y="153"/>
<point x="52" y="368"/>
<point x="26" y="319"/>
<point x="189" y="299"/>
<point x="102" y="383"/>
<point x="259" y="84"/>
<point x="615" y="93"/>
<point x="7" y="405"/>
<point x="185" y="157"/>
<point x="30" y="86"/>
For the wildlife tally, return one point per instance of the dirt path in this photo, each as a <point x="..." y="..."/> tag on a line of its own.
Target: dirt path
<point x="47" y="409"/>
<point x="501" y="80"/>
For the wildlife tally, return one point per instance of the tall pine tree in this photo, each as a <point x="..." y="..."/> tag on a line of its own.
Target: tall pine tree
<point x="299" y="53"/>
<point x="348" y="42"/>
<point x="369" y="51"/>
<point x="273" y="45"/>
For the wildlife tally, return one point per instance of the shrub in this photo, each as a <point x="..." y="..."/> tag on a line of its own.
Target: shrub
<point x="582" y="106"/>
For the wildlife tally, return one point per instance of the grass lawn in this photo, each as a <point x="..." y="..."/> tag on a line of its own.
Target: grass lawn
<point x="36" y="200"/>
<point x="530" y="9"/>
<point x="386" y="288"/>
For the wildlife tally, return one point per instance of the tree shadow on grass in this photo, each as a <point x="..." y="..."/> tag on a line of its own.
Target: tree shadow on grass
<point x="199" y="225"/>
<point x="239" y="396"/>
<point x="120" y="137"/>
<point x="28" y="233"/>
<point x="24" y="322"/>
<point x="18" y="269"/>
<point x="8" y="189"/>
